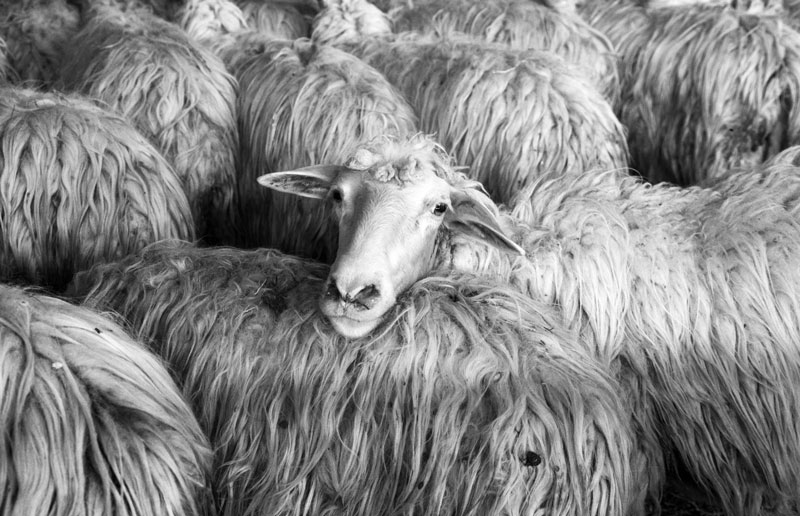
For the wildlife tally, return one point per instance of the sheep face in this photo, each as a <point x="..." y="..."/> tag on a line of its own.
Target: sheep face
<point x="391" y="212"/>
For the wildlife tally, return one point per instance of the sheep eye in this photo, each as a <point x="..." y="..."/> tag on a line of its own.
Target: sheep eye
<point x="336" y="195"/>
<point x="439" y="209"/>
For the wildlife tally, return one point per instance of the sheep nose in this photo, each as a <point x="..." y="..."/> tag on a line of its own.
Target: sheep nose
<point x="361" y="297"/>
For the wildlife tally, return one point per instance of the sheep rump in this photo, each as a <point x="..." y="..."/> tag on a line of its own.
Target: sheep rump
<point x="301" y="104"/>
<point x="67" y="204"/>
<point x="92" y="423"/>
<point x="457" y="405"/>
<point x="177" y="94"/>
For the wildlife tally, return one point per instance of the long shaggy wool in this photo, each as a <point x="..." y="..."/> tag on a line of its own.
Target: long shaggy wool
<point x="520" y="24"/>
<point x="177" y="94"/>
<point x="510" y="116"/>
<point x="302" y="104"/>
<point x="469" y="400"/>
<point x="282" y="20"/>
<point x="709" y="89"/>
<point x="694" y="292"/>
<point x="78" y="185"/>
<point x="92" y="422"/>
<point x="35" y="32"/>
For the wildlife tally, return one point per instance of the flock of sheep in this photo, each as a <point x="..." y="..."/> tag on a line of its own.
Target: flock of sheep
<point x="465" y="257"/>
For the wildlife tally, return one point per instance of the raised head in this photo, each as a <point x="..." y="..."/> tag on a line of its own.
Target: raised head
<point x="395" y="202"/>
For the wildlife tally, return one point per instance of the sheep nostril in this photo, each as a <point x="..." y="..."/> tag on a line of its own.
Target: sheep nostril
<point x="332" y="291"/>
<point x="367" y="297"/>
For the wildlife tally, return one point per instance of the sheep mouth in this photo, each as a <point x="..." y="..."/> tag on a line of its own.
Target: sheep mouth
<point x="353" y="328"/>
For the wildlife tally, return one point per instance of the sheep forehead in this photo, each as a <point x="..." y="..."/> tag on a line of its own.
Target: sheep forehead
<point x="391" y="162"/>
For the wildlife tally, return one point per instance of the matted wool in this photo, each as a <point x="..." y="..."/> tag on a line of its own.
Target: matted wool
<point x="470" y="399"/>
<point x="300" y="104"/>
<point x="176" y="93"/>
<point x="78" y="185"/>
<point x="509" y="116"/>
<point x="35" y="32"/>
<point x="282" y="20"/>
<point x="92" y="422"/>
<point x="520" y="24"/>
<point x="710" y="89"/>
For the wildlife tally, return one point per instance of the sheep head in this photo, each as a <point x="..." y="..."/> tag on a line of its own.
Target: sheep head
<point x="394" y="201"/>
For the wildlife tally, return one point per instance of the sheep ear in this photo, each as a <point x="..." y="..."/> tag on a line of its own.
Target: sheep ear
<point x="471" y="217"/>
<point x="313" y="181"/>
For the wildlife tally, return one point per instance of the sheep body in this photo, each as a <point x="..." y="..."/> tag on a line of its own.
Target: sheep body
<point x="457" y="405"/>
<point x="688" y="120"/>
<point x="718" y="367"/>
<point x="79" y="185"/>
<point x="176" y="93"/>
<point x="92" y="422"/>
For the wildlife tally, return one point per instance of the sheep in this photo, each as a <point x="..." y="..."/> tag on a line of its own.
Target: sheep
<point x="690" y="295"/>
<point x="509" y="115"/>
<point x="520" y="24"/>
<point x="299" y="103"/>
<point x="708" y="88"/>
<point x="92" y="422"/>
<point x="35" y="32"/>
<point x="282" y="20"/>
<point x="458" y="406"/>
<point x="78" y="185"/>
<point x="177" y="94"/>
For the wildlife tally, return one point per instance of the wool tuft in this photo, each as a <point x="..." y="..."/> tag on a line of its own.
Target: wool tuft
<point x="78" y="185"/>
<point x="177" y="94"/>
<point x="92" y="422"/>
<point x="470" y="399"/>
<point x="301" y="104"/>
